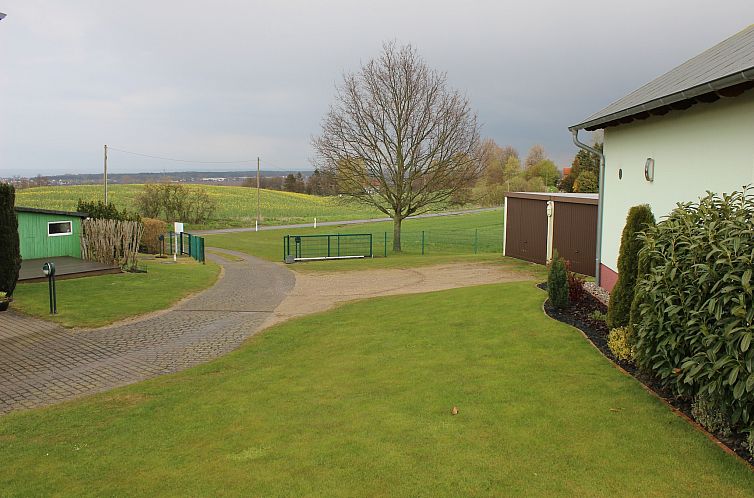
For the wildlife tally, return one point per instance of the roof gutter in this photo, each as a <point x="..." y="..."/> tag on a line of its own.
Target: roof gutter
<point x="717" y="85"/>
<point x="600" y="202"/>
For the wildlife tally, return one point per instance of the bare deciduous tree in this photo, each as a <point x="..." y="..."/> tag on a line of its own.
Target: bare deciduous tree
<point x="397" y="138"/>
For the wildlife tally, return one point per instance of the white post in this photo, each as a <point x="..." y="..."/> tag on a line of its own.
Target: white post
<point x="505" y="222"/>
<point x="550" y="228"/>
<point x="178" y="229"/>
<point x="315" y="222"/>
<point x="256" y="226"/>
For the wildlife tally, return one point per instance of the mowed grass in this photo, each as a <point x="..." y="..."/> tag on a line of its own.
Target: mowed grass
<point x="237" y="206"/>
<point x="356" y="402"/>
<point x="100" y="300"/>
<point x="447" y="238"/>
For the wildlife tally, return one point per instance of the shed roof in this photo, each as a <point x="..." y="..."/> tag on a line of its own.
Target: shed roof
<point x="727" y="69"/>
<point x="573" y="198"/>
<point x="75" y="214"/>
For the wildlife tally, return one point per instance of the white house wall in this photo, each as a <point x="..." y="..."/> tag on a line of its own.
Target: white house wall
<point x="706" y="147"/>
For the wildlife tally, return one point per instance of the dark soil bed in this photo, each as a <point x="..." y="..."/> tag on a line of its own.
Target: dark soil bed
<point x="582" y="316"/>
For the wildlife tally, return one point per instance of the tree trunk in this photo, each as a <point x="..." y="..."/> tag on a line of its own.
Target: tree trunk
<point x="397" y="234"/>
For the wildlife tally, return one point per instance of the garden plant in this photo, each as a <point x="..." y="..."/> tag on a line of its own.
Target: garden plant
<point x="10" y="255"/>
<point x="694" y="320"/>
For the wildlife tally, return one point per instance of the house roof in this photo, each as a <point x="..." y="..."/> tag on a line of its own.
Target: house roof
<point x="75" y="214"/>
<point x="726" y="70"/>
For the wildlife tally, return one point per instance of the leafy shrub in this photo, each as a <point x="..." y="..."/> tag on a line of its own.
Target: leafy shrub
<point x="175" y="202"/>
<point x="10" y="251"/>
<point x="695" y="311"/>
<point x="622" y="295"/>
<point x="150" y="241"/>
<point x="620" y="342"/>
<point x="750" y="441"/>
<point x="99" y="210"/>
<point x="575" y="285"/>
<point x="557" y="282"/>
<point x="598" y="315"/>
<point x="706" y="410"/>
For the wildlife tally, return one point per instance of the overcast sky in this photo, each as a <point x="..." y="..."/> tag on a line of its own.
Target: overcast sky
<point x="233" y="80"/>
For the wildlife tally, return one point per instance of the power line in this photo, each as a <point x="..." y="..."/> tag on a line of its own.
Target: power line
<point x="268" y="165"/>
<point x="181" y="160"/>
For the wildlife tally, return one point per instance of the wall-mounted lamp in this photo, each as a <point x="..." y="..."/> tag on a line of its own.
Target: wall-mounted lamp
<point x="649" y="169"/>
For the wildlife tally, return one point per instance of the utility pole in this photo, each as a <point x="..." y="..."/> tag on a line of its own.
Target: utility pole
<point x="105" y="174"/>
<point x="257" y="193"/>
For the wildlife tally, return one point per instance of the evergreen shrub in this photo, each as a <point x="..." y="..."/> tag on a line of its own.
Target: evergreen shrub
<point x="619" y="309"/>
<point x="557" y="282"/>
<point x="695" y="307"/>
<point x="10" y="249"/>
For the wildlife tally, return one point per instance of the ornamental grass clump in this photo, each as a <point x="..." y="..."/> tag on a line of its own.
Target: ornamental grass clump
<point x="694" y="319"/>
<point x="557" y="282"/>
<point x="639" y="219"/>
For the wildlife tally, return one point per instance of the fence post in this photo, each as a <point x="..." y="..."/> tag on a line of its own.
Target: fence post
<point x="371" y="252"/>
<point x="328" y="246"/>
<point x="201" y="249"/>
<point x="385" y="244"/>
<point x="422" y="242"/>
<point x="476" y="240"/>
<point x="285" y="240"/>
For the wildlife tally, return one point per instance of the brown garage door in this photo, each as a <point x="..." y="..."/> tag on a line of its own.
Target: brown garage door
<point x="526" y="230"/>
<point x="575" y="235"/>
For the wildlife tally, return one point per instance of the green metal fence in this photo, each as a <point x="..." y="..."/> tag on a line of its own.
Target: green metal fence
<point x="188" y="245"/>
<point x="327" y="246"/>
<point x="480" y="240"/>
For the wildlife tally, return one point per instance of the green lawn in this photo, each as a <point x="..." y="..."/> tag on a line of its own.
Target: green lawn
<point x="447" y="238"/>
<point x="356" y="402"/>
<point x="97" y="301"/>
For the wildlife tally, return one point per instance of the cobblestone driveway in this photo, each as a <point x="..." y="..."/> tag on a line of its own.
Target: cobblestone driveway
<point x="42" y="363"/>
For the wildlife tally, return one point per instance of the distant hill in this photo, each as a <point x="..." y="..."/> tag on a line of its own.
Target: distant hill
<point x="207" y="177"/>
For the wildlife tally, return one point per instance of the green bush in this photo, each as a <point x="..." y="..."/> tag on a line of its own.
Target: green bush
<point x="750" y="441"/>
<point x="695" y="311"/>
<point x="100" y="210"/>
<point x="10" y="251"/>
<point x="622" y="295"/>
<point x="620" y="342"/>
<point x="557" y="282"/>
<point x="706" y="410"/>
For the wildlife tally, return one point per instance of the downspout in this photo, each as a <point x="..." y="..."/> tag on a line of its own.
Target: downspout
<point x="600" y="201"/>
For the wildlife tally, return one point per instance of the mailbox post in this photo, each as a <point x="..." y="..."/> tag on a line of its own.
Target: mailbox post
<point x="49" y="270"/>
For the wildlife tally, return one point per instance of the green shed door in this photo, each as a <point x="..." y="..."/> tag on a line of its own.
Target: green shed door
<point x="49" y="235"/>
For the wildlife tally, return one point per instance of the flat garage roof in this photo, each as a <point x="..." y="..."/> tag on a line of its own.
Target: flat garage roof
<point x="575" y="198"/>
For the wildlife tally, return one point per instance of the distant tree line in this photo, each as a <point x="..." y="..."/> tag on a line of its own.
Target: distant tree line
<point x="318" y="183"/>
<point x="504" y="172"/>
<point x="584" y="172"/>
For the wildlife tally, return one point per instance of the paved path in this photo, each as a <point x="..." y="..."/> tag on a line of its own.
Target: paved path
<point x="338" y="223"/>
<point x="42" y="363"/>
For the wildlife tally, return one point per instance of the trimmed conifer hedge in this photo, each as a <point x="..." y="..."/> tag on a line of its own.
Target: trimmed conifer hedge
<point x="10" y="251"/>
<point x="557" y="282"/>
<point x="619" y="310"/>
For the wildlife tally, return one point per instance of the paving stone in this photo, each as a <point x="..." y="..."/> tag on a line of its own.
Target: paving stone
<point x="42" y="363"/>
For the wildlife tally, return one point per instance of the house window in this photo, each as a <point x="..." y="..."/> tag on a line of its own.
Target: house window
<point x="58" y="228"/>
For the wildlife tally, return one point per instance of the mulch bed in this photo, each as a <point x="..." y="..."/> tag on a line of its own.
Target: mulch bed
<point x="581" y="316"/>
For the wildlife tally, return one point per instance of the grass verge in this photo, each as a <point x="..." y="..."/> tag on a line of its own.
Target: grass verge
<point x="357" y="402"/>
<point x="447" y="239"/>
<point x="104" y="299"/>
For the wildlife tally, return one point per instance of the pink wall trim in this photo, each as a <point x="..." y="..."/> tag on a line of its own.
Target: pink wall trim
<point x="607" y="278"/>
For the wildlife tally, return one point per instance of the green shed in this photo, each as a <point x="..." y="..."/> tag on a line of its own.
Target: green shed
<point x="44" y="233"/>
